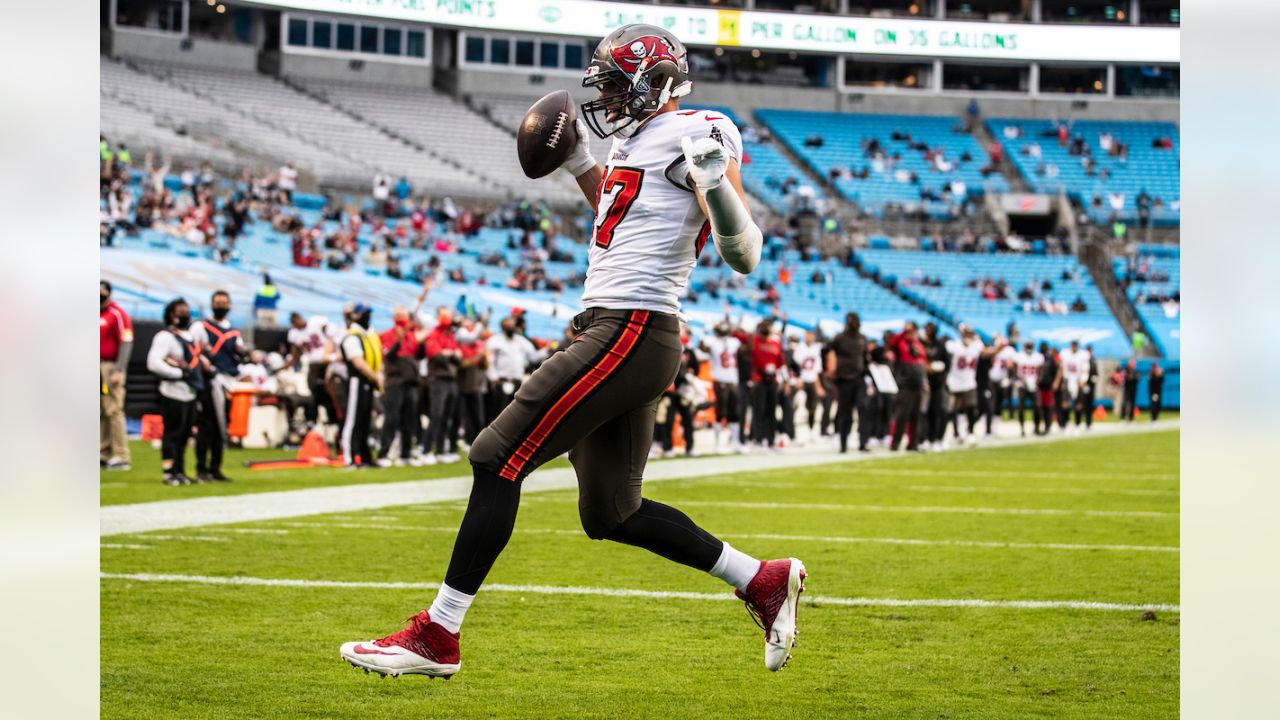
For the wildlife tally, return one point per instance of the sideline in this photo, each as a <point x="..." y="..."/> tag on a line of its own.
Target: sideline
<point x="197" y="512"/>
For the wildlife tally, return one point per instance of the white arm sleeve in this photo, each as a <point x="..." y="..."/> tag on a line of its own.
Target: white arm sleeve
<point x="737" y="237"/>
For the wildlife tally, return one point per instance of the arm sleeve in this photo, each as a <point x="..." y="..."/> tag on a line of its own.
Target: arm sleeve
<point x="122" y="357"/>
<point x="161" y="348"/>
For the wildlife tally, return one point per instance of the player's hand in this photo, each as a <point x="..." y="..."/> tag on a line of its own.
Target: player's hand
<point x="706" y="161"/>
<point x="580" y="159"/>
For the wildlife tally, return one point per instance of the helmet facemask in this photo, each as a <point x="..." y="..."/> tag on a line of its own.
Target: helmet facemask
<point x="636" y="72"/>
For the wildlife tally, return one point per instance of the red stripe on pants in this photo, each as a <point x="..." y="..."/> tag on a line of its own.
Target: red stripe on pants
<point x="596" y="375"/>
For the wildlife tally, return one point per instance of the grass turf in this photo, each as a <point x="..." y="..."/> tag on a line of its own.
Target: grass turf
<point x="195" y="651"/>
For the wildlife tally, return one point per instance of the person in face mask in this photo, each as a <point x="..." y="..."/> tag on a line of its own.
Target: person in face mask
<point x="223" y="351"/>
<point x="472" y="383"/>
<point x="362" y="355"/>
<point x="402" y="349"/>
<point x="509" y="355"/>
<point x="175" y="358"/>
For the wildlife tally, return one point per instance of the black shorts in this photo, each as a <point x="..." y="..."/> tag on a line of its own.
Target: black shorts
<point x="596" y="399"/>
<point x="727" y="402"/>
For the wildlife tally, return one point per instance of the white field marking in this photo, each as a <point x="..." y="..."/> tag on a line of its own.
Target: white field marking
<point x="245" y="531"/>
<point x="123" y="546"/>
<point x="931" y="509"/>
<point x="229" y="509"/>
<point x="1018" y="475"/>
<point x="193" y="538"/>
<point x="943" y="488"/>
<point x="999" y="545"/>
<point x="654" y="594"/>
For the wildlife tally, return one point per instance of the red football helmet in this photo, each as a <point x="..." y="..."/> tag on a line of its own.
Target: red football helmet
<point x="637" y="69"/>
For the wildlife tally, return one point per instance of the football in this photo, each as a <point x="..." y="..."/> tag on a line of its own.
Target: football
<point x="547" y="134"/>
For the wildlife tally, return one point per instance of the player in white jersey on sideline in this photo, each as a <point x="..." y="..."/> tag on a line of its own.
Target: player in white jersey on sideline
<point x="1075" y="373"/>
<point x="807" y="356"/>
<point x="1026" y="364"/>
<point x="962" y="381"/>
<point x="671" y="181"/>
<point x="722" y="351"/>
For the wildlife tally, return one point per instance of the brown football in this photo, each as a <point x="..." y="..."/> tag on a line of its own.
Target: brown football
<point x="547" y="134"/>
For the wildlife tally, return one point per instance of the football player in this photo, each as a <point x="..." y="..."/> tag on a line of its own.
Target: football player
<point x="1075" y="373"/>
<point x="722" y="348"/>
<point x="962" y="380"/>
<point x="808" y="357"/>
<point x="1027" y="365"/>
<point x="671" y="182"/>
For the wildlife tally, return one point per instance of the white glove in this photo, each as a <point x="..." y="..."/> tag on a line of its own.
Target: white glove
<point x="580" y="159"/>
<point x="706" y="161"/>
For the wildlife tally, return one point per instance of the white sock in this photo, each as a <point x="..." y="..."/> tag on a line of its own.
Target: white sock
<point x="735" y="567"/>
<point x="450" y="607"/>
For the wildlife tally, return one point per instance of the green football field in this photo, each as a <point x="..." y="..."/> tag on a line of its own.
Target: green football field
<point x="1004" y="582"/>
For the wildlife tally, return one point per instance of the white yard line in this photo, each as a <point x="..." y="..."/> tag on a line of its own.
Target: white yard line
<point x="197" y="512"/>
<point x="772" y="536"/>
<point x="930" y="509"/>
<point x="735" y="482"/>
<point x="652" y="594"/>
<point x="123" y="546"/>
<point x="192" y="538"/>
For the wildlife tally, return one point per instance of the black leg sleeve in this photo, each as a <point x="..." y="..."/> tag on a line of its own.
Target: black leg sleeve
<point x="664" y="530"/>
<point x="486" y="528"/>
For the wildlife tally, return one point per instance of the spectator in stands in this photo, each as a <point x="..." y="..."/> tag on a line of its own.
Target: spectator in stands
<point x="115" y="345"/>
<point x="404" y="189"/>
<point x="175" y="359"/>
<point x="909" y="355"/>
<point x="1144" y="209"/>
<point x="1078" y="305"/>
<point x="287" y="182"/>
<point x="1155" y="388"/>
<point x="973" y="115"/>
<point x="266" y="302"/>
<point x="444" y="356"/>
<point x="402" y="350"/>
<point x="814" y="141"/>
<point x="1064" y="134"/>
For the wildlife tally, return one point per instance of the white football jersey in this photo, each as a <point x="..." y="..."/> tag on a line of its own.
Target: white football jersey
<point x="1075" y="365"/>
<point x="1028" y="365"/>
<point x="809" y="359"/>
<point x="312" y="337"/>
<point x="1000" y="364"/>
<point x="1075" y="369"/>
<point x="963" y="375"/>
<point x="724" y="359"/>
<point x="649" y="229"/>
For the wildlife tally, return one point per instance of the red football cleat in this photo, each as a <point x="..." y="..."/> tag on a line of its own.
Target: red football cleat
<point x="772" y="598"/>
<point x="422" y="648"/>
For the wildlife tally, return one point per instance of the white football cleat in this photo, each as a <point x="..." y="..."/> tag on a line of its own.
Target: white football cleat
<point x="422" y="648"/>
<point x="773" y="598"/>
